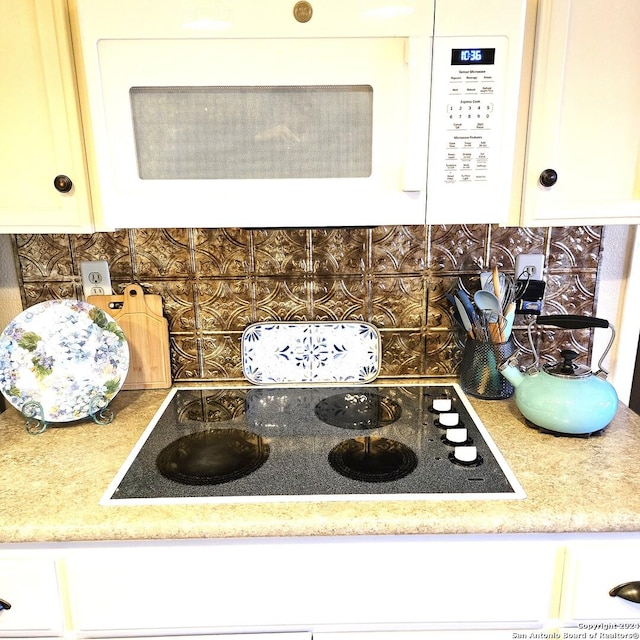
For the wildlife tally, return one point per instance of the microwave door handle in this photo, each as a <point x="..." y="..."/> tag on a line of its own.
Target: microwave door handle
<point x="418" y="61"/>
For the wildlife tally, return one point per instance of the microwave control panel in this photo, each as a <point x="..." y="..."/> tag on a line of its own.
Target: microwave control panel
<point x="469" y="127"/>
<point x="470" y="115"/>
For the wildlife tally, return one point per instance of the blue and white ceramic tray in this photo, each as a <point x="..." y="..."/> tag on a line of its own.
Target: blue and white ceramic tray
<point x="67" y="357"/>
<point x="319" y="352"/>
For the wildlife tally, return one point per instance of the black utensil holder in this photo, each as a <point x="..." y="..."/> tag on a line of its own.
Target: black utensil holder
<point x="479" y="375"/>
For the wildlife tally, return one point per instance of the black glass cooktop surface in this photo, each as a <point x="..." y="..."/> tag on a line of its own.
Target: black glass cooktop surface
<point x="314" y="443"/>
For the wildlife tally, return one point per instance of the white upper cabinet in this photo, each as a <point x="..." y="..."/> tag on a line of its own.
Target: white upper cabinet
<point x="584" y="126"/>
<point x="43" y="183"/>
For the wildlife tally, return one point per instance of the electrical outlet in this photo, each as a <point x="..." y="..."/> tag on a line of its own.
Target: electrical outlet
<point x="530" y="288"/>
<point x="96" y="280"/>
<point x="529" y="266"/>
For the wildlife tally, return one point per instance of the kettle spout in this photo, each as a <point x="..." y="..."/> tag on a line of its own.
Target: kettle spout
<point x="510" y="371"/>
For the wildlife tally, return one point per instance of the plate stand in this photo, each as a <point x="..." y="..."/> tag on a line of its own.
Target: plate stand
<point x="36" y="424"/>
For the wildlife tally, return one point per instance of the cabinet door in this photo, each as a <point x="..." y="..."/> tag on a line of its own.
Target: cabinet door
<point x="353" y="583"/>
<point x="584" y="119"/>
<point x="39" y="122"/>
<point x="591" y="571"/>
<point x="30" y="586"/>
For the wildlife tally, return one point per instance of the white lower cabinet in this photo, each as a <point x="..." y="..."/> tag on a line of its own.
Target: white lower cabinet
<point x="30" y="586"/>
<point x="592" y="570"/>
<point x="335" y="588"/>
<point x="312" y="585"/>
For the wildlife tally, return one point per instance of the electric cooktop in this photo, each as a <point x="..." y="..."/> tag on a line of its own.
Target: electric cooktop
<point x="314" y="443"/>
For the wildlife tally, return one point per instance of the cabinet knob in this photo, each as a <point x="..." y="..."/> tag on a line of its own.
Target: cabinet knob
<point x="548" y="178"/>
<point x="4" y="604"/>
<point x="62" y="183"/>
<point x="628" y="591"/>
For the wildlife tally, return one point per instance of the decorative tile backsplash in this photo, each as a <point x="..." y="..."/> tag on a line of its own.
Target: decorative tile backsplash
<point x="215" y="282"/>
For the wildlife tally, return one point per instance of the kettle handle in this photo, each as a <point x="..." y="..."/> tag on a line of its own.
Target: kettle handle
<point x="573" y="322"/>
<point x="582" y="322"/>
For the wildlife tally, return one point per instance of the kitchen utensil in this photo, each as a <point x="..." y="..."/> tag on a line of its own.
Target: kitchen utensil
<point x="456" y="314"/>
<point x="495" y="279"/>
<point x="485" y="300"/>
<point x="506" y="287"/>
<point x="472" y="313"/>
<point x="509" y="317"/>
<point x="62" y="360"/>
<point x="489" y="303"/>
<point x="141" y="319"/>
<point x="462" y="312"/>
<point x="565" y="397"/>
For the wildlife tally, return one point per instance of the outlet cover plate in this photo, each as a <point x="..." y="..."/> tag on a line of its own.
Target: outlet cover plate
<point x="96" y="280"/>
<point x="534" y="261"/>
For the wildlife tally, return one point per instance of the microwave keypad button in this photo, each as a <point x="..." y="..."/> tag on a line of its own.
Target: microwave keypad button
<point x="468" y="113"/>
<point x="472" y="163"/>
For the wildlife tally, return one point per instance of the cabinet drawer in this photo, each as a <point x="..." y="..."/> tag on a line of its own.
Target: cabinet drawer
<point x="30" y="586"/>
<point x="591" y="571"/>
<point x="311" y="585"/>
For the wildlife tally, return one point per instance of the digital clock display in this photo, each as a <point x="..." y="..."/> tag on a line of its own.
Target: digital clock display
<point x="473" y="56"/>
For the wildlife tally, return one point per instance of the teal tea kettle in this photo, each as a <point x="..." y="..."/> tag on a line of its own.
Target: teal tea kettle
<point x="565" y="397"/>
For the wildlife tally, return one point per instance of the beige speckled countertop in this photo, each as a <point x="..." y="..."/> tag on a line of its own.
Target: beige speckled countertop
<point x="51" y="484"/>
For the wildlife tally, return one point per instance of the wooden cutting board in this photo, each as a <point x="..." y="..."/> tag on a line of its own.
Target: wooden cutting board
<point x="147" y="330"/>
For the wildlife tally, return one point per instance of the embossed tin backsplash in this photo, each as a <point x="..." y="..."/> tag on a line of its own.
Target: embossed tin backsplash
<point x="215" y="282"/>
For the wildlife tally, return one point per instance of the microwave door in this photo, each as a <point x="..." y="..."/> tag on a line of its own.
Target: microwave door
<point x="263" y="132"/>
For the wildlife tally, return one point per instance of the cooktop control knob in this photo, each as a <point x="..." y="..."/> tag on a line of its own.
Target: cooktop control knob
<point x="466" y="454"/>
<point x="449" y="419"/>
<point x="441" y="404"/>
<point x="457" y="436"/>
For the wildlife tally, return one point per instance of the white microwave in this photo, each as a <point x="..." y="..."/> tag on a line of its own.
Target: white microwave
<point x="277" y="113"/>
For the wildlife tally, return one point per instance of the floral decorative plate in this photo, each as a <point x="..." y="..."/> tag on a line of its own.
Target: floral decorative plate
<point x="286" y="352"/>
<point x="67" y="355"/>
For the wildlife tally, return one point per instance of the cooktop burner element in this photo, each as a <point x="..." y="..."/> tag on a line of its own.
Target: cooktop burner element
<point x="213" y="456"/>
<point x="358" y="410"/>
<point x="252" y="444"/>
<point x="373" y="459"/>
